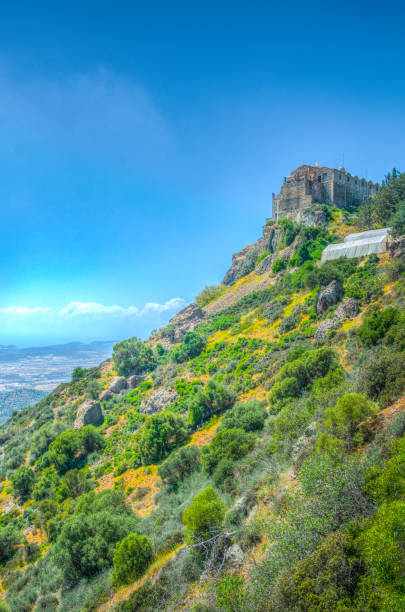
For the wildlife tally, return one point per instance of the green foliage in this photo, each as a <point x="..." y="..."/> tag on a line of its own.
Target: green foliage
<point x="278" y="265"/>
<point x="290" y="230"/>
<point x="344" y="419"/>
<point x="322" y="275"/>
<point x="9" y="539"/>
<point x="309" y="366"/>
<point x="313" y="241"/>
<point x="214" y="399"/>
<point x="43" y="437"/>
<point x="232" y="444"/>
<point x="86" y="543"/>
<point x="23" y="481"/>
<point x="249" y="416"/>
<point x="73" y="484"/>
<point x="179" y="465"/>
<point x="78" y="373"/>
<point x="190" y="347"/>
<point x="69" y="450"/>
<point x="133" y="356"/>
<point x="388" y="483"/>
<point x="205" y="515"/>
<point x="376" y="325"/>
<point x="232" y="596"/>
<point x="380" y="209"/>
<point x="262" y="256"/>
<point x="132" y="557"/>
<point x="283" y="391"/>
<point x="384" y="553"/>
<point x="397" y="220"/>
<point x="159" y="435"/>
<point x="382" y="376"/>
<point x="209" y="294"/>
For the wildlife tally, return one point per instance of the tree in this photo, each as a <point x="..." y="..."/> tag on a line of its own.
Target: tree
<point x="209" y="294"/>
<point x="159" y="435"/>
<point x="232" y="596"/>
<point x="132" y="557"/>
<point x="23" y="481"/>
<point x="190" y="347"/>
<point x="376" y="325"/>
<point x="214" y="399"/>
<point x="9" y="539"/>
<point x="205" y="515"/>
<point x="78" y="373"/>
<point x="133" y="356"/>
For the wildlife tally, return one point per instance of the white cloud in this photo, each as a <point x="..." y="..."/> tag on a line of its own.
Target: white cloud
<point x="24" y="310"/>
<point x="98" y="311"/>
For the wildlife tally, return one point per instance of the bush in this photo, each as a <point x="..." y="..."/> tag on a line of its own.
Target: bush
<point x="23" y="481"/>
<point x="159" y="435"/>
<point x="133" y="356"/>
<point x="205" y="515"/>
<point x="376" y="325"/>
<point x="232" y="596"/>
<point x="226" y="444"/>
<point x="214" y="399"/>
<point x="383" y="377"/>
<point x="343" y="420"/>
<point x="283" y="391"/>
<point x="310" y="365"/>
<point x="209" y="294"/>
<point x="388" y="483"/>
<point x="9" y="539"/>
<point x="190" y="347"/>
<point x="132" y="557"/>
<point x="278" y="265"/>
<point x="384" y="553"/>
<point x="250" y="416"/>
<point x="179" y="465"/>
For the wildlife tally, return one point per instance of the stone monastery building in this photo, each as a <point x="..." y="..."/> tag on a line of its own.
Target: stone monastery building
<point x="310" y="184"/>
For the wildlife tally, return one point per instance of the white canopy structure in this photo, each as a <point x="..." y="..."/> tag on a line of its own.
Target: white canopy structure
<point x="359" y="245"/>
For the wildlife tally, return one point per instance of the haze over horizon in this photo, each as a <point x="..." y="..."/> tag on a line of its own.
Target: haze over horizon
<point x="140" y="145"/>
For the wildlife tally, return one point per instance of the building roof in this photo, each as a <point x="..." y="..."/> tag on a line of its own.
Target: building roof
<point x="358" y="245"/>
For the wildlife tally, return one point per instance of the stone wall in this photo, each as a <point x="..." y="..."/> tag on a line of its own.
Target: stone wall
<point x="310" y="184"/>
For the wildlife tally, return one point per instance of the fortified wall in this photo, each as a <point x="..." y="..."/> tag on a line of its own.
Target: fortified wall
<point x="310" y="184"/>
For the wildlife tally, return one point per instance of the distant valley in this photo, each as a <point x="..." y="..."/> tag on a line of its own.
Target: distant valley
<point x="28" y="374"/>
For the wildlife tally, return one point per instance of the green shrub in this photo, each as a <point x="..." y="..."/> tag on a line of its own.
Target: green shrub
<point x="278" y="265"/>
<point x="283" y="391"/>
<point x="226" y="444"/>
<point x="9" y="539"/>
<point x="209" y="294"/>
<point x="388" y="483"/>
<point x="311" y="365"/>
<point x="190" y="347"/>
<point x="132" y="557"/>
<point x="376" y="325"/>
<point x="249" y="416"/>
<point x="290" y="230"/>
<point x="159" y="435"/>
<point x="214" y="399"/>
<point x="262" y="256"/>
<point x="382" y="377"/>
<point x="133" y="356"/>
<point x="23" y="481"/>
<point x="179" y="465"/>
<point x="343" y="420"/>
<point x="232" y="596"/>
<point x="204" y="516"/>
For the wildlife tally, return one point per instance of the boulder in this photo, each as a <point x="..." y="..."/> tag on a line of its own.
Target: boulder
<point x="329" y="296"/>
<point x="265" y="264"/>
<point x="134" y="380"/>
<point x="325" y="327"/>
<point x="105" y="395"/>
<point x="234" y="555"/>
<point x="117" y="384"/>
<point x="347" y="309"/>
<point x="88" y="413"/>
<point x="158" y="400"/>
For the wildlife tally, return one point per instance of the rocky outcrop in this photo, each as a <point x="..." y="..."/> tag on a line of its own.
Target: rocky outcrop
<point x="314" y="216"/>
<point x="105" y="395"/>
<point x="329" y="296"/>
<point x="347" y="309"/>
<point x="158" y="400"/>
<point x="325" y="327"/>
<point x="186" y="320"/>
<point x="244" y="261"/>
<point x="117" y="384"/>
<point x="397" y="247"/>
<point x="234" y="555"/>
<point x="134" y="380"/>
<point x="88" y="413"/>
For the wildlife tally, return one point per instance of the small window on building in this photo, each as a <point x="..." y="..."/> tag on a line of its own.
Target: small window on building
<point x="325" y="176"/>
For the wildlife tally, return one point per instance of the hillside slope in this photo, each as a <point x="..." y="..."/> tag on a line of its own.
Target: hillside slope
<point x="249" y="456"/>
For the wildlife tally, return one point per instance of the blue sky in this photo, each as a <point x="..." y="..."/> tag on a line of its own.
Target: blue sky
<point x="140" y="144"/>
